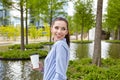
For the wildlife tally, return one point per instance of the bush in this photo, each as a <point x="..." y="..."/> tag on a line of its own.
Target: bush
<point x="29" y="46"/>
<point x="15" y="52"/>
<point x="22" y="54"/>
<point x="34" y="46"/>
<point x="78" y="70"/>
<point x="82" y="42"/>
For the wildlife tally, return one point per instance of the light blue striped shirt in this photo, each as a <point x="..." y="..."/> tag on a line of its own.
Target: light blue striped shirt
<point x="56" y="62"/>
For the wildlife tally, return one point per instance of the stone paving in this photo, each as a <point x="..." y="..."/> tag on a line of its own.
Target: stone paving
<point x="4" y="41"/>
<point x="7" y="42"/>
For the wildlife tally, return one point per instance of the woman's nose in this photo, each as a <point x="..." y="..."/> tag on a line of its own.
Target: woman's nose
<point x="59" y="30"/>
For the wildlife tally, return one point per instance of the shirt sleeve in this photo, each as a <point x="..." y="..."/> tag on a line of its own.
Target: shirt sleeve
<point x="61" y="62"/>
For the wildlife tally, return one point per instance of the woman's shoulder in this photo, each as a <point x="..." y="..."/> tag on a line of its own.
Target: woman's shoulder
<point x="61" y="43"/>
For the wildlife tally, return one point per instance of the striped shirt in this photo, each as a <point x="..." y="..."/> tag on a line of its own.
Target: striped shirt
<point x="56" y="62"/>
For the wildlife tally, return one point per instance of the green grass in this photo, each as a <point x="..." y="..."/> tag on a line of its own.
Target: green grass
<point x="14" y="51"/>
<point x="21" y="54"/>
<point x="113" y="41"/>
<point x="82" y="42"/>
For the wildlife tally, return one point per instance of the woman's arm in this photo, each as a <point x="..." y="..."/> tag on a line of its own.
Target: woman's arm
<point x="62" y="55"/>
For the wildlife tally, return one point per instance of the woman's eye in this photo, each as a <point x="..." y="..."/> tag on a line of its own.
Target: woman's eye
<point x="63" y="29"/>
<point x="56" y="27"/>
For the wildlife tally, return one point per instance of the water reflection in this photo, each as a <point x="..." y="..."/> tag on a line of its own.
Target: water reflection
<point x="2" y="70"/>
<point x="104" y="49"/>
<point x="79" y="51"/>
<point x="114" y="51"/>
<point x="73" y="48"/>
<point x="82" y="51"/>
<point x="20" y="70"/>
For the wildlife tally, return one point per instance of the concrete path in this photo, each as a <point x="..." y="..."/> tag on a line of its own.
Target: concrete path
<point x="9" y="42"/>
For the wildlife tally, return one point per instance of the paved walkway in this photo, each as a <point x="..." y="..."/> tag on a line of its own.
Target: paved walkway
<point x="18" y="41"/>
<point x="8" y="42"/>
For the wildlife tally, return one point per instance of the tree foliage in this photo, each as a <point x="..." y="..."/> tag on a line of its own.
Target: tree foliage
<point x="113" y="13"/>
<point x="113" y="16"/>
<point x="83" y="17"/>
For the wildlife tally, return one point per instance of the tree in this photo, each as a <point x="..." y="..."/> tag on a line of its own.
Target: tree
<point x="22" y="25"/>
<point x="97" y="43"/>
<point x="19" y="7"/>
<point x="83" y="16"/>
<point x="113" y="18"/>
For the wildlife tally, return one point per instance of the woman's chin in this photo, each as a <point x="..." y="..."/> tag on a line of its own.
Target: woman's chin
<point x="57" y="39"/>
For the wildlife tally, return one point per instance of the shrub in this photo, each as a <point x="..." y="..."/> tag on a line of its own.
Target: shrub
<point x="109" y="70"/>
<point x="22" y="54"/>
<point x="29" y="46"/>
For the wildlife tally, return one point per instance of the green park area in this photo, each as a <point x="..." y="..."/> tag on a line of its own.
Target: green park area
<point x="94" y="37"/>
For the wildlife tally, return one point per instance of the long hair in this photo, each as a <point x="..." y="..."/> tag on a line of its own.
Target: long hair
<point x="63" y="19"/>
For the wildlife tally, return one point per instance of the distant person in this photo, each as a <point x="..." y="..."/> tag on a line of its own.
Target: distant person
<point x="57" y="60"/>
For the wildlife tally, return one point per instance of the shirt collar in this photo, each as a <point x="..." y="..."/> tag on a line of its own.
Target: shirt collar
<point x="64" y="39"/>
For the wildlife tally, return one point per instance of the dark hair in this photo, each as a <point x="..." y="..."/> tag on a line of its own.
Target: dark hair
<point x="63" y="19"/>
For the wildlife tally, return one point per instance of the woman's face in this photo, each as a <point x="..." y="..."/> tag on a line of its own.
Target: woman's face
<point x="59" y="30"/>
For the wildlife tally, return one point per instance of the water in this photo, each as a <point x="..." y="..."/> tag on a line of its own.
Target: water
<point x="1" y="70"/>
<point x="108" y="50"/>
<point x="104" y="49"/>
<point x="18" y="70"/>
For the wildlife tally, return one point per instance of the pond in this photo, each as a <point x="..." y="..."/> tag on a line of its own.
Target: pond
<point x="108" y="50"/>
<point x="21" y="70"/>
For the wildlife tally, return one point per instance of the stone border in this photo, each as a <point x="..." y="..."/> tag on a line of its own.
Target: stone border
<point x="17" y="59"/>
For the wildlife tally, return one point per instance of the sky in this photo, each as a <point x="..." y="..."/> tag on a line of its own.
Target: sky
<point x="104" y="5"/>
<point x="71" y="9"/>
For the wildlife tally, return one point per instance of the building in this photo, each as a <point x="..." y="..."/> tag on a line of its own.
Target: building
<point x="4" y="15"/>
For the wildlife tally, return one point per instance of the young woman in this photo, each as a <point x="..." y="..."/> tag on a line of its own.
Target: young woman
<point x="56" y="62"/>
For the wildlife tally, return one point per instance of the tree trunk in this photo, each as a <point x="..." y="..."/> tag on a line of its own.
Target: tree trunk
<point x="118" y="33"/>
<point x="82" y="27"/>
<point x="22" y="26"/>
<point x="97" y="43"/>
<point x="88" y="35"/>
<point x="82" y="31"/>
<point x="26" y="26"/>
<point x="51" y="13"/>
<point x="76" y="34"/>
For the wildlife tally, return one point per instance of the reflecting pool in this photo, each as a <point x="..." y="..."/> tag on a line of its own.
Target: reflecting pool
<point x="18" y="70"/>
<point x="79" y="51"/>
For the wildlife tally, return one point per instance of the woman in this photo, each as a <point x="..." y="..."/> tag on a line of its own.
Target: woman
<point x="56" y="62"/>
